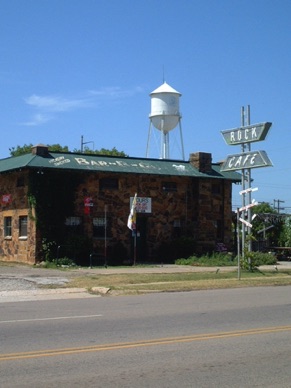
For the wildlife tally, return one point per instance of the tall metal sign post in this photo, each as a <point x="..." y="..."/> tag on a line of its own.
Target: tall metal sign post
<point x="245" y="161"/>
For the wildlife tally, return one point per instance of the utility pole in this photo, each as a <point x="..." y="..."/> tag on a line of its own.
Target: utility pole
<point x="278" y="208"/>
<point x="85" y="142"/>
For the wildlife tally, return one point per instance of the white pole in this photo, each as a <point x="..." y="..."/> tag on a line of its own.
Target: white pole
<point x="238" y="243"/>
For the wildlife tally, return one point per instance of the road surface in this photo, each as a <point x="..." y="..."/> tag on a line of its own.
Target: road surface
<point x="215" y="338"/>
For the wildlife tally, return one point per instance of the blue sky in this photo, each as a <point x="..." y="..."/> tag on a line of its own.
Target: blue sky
<point x="82" y="67"/>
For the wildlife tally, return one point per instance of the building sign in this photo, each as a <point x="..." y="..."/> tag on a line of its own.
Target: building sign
<point x="143" y="204"/>
<point x="248" y="134"/>
<point x="88" y="203"/>
<point x="6" y="199"/>
<point x="246" y="160"/>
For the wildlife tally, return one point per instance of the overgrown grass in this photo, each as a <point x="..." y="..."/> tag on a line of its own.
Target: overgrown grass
<point x="121" y="284"/>
<point x="224" y="259"/>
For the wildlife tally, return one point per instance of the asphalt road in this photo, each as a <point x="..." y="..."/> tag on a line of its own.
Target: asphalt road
<point x="226" y="338"/>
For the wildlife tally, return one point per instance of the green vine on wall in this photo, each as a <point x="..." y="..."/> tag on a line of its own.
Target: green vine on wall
<point x="32" y="205"/>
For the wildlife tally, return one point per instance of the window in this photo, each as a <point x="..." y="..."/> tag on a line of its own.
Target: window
<point x="216" y="188"/>
<point x="20" y="181"/>
<point x="109" y="184"/>
<point x="23" y="226"/>
<point x="73" y="225"/>
<point x="169" y="186"/>
<point x="7" y="226"/>
<point x="99" y="224"/>
<point x="177" y="228"/>
<point x="73" y="221"/>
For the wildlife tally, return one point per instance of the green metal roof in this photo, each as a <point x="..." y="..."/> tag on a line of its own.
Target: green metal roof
<point x="117" y="164"/>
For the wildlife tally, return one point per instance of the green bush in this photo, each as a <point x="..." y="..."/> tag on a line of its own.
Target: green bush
<point x="190" y="261"/>
<point x="216" y="259"/>
<point x="48" y="249"/>
<point x="253" y="260"/>
<point x="61" y="262"/>
<point x="64" y="261"/>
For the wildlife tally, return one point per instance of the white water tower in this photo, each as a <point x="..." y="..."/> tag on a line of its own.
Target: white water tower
<point x="165" y="116"/>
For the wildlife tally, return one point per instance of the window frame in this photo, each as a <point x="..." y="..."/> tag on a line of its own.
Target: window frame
<point x="7" y="227"/>
<point x="23" y="226"/>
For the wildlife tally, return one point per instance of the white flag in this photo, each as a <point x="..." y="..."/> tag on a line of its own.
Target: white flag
<point x="131" y="222"/>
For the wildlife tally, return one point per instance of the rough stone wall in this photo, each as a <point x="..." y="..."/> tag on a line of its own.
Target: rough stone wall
<point x="193" y="208"/>
<point x="15" y="248"/>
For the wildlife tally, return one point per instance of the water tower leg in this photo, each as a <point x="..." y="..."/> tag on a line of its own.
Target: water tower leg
<point x="164" y="145"/>
<point x="149" y="137"/>
<point x="181" y="137"/>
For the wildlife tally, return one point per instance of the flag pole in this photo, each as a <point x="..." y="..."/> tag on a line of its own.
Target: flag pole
<point x="131" y="224"/>
<point x="134" y="253"/>
<point x="105" y="236"/>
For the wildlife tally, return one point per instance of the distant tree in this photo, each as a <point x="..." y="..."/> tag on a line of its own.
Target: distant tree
<point x="267" y="217"/>
<point x="102" y="151"/>
<point x="285" y="236"/>
<point x="58" y="148"/>
<point x="17" y="151"/>
<point x="26" y="149"/>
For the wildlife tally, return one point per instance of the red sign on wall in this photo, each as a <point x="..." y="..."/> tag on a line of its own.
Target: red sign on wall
<point x="6" y="199"/>
<point x="87" y="205"/>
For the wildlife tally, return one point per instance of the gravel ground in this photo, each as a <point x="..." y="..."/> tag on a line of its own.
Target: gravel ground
<point x="15" y="277"/>
<point x="18" y="283"/>
<point x="12" y="284"/>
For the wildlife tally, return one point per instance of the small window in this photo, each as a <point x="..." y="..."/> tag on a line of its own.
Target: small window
<point x="99" y="224"/>
<point x="169" y="186"/>
<point x="23" y="226"/>
<point x="20" y="181"/>
<point x="73" y="221"/>
<point x="177" y="228"/>
<point x="109" y="184"/>
<point x="216" y="188"/>
<point x="7" y="226"/>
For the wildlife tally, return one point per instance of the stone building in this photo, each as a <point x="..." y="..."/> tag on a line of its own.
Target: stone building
<point x="77" y="205"/>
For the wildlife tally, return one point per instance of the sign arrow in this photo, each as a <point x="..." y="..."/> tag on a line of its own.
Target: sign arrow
<point x="250" y="189"/>
<point x="265" y="229"/>
<point x="248" y="206"/>
<point x="248" y="134"/>
<point x="246" y="160"/>
<point x="246" y="222"/>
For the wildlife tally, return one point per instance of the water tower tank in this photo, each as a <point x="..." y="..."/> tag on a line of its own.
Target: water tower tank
<point x="165" y="113"/>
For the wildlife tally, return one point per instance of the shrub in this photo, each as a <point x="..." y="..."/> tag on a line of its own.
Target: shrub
<point x="64" y="261"/>
<point x="209" y="260"/>
<point x="61" y="262"/>
<point x="253" y="260"/>
<point x="48" y="249"/>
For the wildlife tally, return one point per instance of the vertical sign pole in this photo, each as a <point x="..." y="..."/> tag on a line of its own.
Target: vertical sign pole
<point x="244" y="136"/>
<point x="249" y="186"/>
<point x="243" y="185"/>
<point x="238" y="243"/>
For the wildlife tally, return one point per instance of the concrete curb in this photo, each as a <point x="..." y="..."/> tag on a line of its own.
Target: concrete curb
<point x="44" y="294"/>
